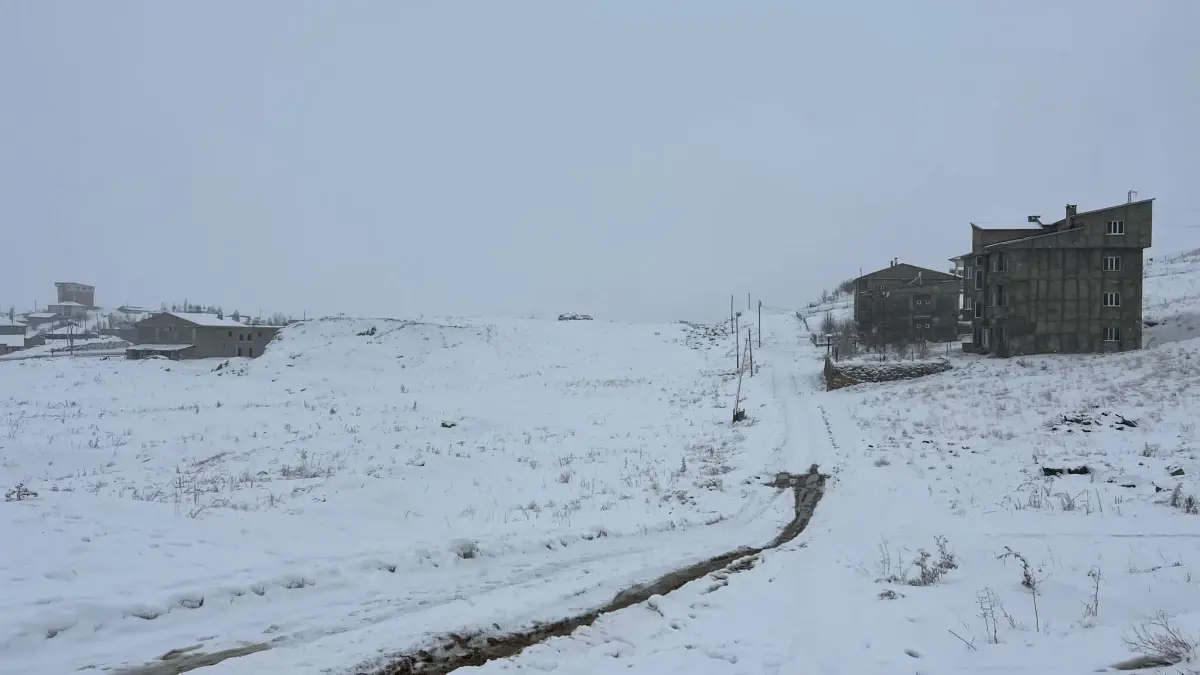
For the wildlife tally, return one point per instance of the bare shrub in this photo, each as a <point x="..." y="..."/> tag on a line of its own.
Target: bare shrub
<point x="1160" y="643"/>
<point x="1091" y="608"/>
<point x="1028" y="579"/>
<point x="829" y="325"/>
<point x="930" y="570"/>
<point x="19" y="493"/>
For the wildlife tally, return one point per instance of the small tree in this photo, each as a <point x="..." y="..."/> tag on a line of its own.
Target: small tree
<point x="829" y="325"/>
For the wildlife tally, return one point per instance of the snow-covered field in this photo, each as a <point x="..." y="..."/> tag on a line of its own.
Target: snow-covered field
<point x="958" y="463"/>
<point x="364" y="471"/>
<point x="315" y="501"/>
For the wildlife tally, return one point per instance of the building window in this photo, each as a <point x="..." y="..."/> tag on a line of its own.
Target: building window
<point x="979" y="310"/>
<point x="251" y="352"/>
<point x="1112" y="263"/>
<point x="1115" y="227"/>
<point x="979" y="261"/>
<point x="998" y="297"/>
<point x="1112" y="334"/>
<point x="999" y="262"/>
<point x="978" y="279"/>
<point x="969" y="303"/>
<point x="239" y="351"/>
<point x="230" y="333"/>
<point x="1112" y="299"/>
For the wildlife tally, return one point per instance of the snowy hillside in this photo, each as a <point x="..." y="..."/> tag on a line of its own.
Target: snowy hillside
<point x="367" y="488"/>
<point x="362" y="471"/>
<point x="1172" y="308"/>
<point x="1033" y="515"/>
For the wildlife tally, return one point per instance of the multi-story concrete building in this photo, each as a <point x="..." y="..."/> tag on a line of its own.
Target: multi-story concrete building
<point x="198" y="336"/>
<point x="69" y="291"/>
<point x="1071" y="286"/>
<point x="903" y="302"/>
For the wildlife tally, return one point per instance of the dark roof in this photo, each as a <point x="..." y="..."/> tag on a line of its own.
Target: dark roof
<point x="916" y="286"/>
<point x="907" y="271"/>
<point x="1106" y="208"/>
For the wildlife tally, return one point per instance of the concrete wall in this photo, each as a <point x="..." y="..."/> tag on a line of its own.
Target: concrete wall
<point x="928" y="312"/>
<point x="900" y="275"/>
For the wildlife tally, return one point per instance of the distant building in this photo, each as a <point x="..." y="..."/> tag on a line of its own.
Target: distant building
<point x="69" y="309"/>
<point x="15" y="336"/>
<point x="906" y="303"/>
<point x="181" y="335"/>
<point x="11" y="343"/>
<point x="71" y="331"/>
<point x="69" y="291"/>
<point x="1071" y="286"/>
<point x="10" y="326"/>
<point x="35" y="319"/>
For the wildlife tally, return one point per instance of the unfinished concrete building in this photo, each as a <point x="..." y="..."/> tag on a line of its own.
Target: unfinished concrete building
<point x="906" y="303"/>
<point x="1071" y="286"/>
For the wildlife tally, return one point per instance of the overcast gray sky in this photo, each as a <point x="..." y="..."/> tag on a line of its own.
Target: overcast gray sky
<point x="629" y="159"/>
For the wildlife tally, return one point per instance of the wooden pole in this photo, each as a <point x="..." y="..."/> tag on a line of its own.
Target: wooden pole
<point x="750" y="348"/>
<point x="760" y="324"/>
<point x="737" y="347"/>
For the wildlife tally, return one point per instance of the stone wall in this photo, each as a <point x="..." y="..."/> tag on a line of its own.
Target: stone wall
<point x="847" y="375"/>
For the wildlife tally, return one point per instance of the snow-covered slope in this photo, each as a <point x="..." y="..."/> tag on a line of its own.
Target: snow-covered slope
<point x="361" y="471"/>
<point x="1084" y="467"/>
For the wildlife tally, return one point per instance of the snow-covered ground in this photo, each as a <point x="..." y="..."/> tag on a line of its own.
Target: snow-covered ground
<point x="349" y="495"/>
<point x="958" y="462"/>
<point x="423" y="476"/>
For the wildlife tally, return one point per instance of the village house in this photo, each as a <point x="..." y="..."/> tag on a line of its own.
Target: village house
<point x="1071" y="286"/>
<point x="186" y="335"/>
<point x="36" y="319"/>
<point x="15" y="336"/>
<point x="906" y="303"/>
<point x="68" y="309"/>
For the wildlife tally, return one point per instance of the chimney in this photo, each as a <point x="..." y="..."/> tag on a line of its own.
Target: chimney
<point x="1072" y="209"/>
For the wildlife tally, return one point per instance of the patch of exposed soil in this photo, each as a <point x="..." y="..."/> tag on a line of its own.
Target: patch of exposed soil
<point x="179" y="661"/>
<point x="454" y="651"/>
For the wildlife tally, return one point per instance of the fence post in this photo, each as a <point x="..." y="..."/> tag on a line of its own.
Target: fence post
<point x="737" y="343"/>
<point x="750" y="348"/>
<point x="760" y="324"/>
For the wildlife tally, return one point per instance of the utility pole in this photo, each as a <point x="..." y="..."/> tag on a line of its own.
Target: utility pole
<point x="760" y="324"/>
<point x="748" y="305"/>
<point x="737" y="347"/>
<point x="731" y="324"/>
